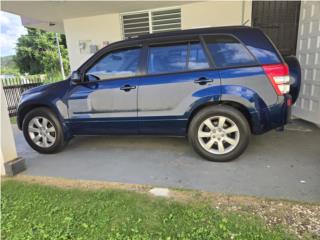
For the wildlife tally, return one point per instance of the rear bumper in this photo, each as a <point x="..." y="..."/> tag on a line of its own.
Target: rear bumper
<point x="273" y="117"/>
<point x="287" y="109"/>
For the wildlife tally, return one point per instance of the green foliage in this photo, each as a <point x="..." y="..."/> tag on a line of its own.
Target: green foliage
<point x="13" y="120"/>
<point x="37" y="52"/>
<point x="8" y="66"/>
<point x="7" y="62"/>
<point x="32" y="211"/>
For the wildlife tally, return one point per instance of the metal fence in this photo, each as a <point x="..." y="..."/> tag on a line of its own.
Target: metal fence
<point x="14" y="87"/>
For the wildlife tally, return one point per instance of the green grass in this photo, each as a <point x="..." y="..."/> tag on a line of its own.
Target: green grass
<point x="13" y="120"/>
<point x="40" y="212"/>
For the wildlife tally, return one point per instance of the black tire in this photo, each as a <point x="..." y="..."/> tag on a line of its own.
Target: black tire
<point x="226" y="111"/>
<point x="59" y="142"/>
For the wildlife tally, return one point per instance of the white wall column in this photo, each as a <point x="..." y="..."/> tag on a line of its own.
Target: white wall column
<point x="307" y="106"/>
<point x="10" y="163"/>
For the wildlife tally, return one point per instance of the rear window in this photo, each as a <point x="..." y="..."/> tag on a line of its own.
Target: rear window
<point x="228" y="52"/>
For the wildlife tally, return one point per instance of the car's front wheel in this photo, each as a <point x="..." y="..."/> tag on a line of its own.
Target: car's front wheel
<point x="43" y="131"/>
<point x="219" y="133"/>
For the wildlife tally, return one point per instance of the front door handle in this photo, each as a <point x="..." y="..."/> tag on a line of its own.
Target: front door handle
<point x="203" y="80"/>
<point x="127" y="87"/>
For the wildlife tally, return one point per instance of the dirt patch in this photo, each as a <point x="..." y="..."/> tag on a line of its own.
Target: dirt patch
<point x="300" y="218"/>
<point x="83" y="184"/>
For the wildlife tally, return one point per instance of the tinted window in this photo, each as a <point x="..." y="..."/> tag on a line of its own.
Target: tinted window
<point x="228" y="52"/>
<point x="123" y="63"/>
<point x="197" y="57"/>
<point x="164" y="59"/>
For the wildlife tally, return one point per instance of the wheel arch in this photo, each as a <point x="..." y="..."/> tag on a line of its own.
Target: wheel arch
<point x="240" y="107"/>
<point x="23" y="110"/>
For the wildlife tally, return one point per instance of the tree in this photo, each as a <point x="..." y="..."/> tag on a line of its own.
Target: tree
<point x="8" y="66"/>
<point x="37" y="53"/>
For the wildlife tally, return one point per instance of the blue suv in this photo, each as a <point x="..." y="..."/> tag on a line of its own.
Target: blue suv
<point x="217" y="86"/>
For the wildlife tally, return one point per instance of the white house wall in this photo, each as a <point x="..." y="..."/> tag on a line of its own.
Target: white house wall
<point x="97" y="29"/>
<point x="216" y="13"/>
<point x="308" y="52"/>
<point x="107" y="27"/>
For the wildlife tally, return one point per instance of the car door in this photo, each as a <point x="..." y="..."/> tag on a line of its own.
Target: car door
<point x="176" y="73"/>
<point x="106" y="102"/>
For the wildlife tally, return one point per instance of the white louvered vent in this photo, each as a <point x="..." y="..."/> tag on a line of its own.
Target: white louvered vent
<point x="135" y="24"/>
<point x="166" y="20"/>
<point x="153" y="21"/>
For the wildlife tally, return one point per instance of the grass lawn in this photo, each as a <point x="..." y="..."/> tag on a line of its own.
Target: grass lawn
<point x="32" y="211"/>
<point x="13" y="120"/>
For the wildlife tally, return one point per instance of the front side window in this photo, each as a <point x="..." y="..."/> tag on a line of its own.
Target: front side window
<point x="121" y="63"/>
<point x="166" y="59"/>
<point x="228" y="51"/>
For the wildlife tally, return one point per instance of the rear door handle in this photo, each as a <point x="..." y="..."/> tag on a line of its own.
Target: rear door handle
<point x="203" y="80"/>
<point x="127" y="87"/>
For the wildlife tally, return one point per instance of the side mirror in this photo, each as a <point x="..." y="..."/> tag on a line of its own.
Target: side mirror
<point x="75" y="77"/>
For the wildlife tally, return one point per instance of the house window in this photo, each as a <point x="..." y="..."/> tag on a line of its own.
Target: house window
<point x="153" y="21"/>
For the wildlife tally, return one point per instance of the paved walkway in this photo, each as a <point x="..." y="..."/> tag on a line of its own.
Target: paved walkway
<point x="276" y="165"/>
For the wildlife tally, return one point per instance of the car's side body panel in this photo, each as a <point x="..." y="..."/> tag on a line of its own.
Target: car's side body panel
<point x="98" y="107"/>
<point x="164" y="99"/>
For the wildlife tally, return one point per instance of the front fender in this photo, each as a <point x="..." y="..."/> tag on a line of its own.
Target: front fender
<point x="54" y="102"/>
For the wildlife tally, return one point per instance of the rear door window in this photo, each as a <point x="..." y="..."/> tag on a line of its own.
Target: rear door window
<point x="197" y="57"/>
<point x="166" y="59"/>
<point x="176" y="58"/>
<point x="228" y="52"/>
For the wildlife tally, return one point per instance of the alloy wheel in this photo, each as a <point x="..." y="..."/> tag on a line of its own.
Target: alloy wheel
<point x="218" y="135"/>
<point x="42" y="132"/>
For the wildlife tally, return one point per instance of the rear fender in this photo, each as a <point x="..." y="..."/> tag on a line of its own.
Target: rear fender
<point x="258" y="110"/>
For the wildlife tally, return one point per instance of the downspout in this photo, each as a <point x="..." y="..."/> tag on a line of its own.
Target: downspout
<point x="243" y="21"/>
<point x="60" y="57"/>
<point x="243" y="9"/>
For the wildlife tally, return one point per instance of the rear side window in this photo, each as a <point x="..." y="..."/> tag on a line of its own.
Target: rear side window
<point x="197" y="57"/>
<point x="228" y="52"/>
<point x="165" y="59"/>
<point x="174" y="58"/>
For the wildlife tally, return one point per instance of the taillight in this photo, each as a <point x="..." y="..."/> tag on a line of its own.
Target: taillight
<point x="278" y="74"/>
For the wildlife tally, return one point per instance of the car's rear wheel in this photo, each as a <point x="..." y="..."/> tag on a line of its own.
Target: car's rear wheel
<point x="43" y="131"/>
<point x="219" y="133"/>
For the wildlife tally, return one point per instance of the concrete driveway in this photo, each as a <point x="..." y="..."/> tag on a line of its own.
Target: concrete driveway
<point x="276" y="165"/>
